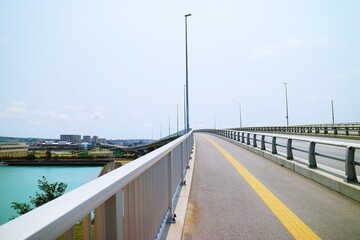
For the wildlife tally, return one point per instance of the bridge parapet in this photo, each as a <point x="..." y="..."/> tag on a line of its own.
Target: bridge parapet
<point x="132" y="202"/>
<point x="253" y="138"/>
<point x="345" y="183"/>
<point x="347" y="130"/>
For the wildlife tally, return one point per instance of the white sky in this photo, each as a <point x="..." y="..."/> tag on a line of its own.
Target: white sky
<point x="116" y="69"/>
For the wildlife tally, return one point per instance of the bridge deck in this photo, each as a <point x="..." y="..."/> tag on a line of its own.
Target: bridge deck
<point x="227" y="202"/>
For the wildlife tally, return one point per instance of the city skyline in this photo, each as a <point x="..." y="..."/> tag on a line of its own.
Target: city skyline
<point x="117" y="69"/>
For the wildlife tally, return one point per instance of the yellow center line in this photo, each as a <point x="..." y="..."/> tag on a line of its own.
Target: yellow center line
<point x="292" y="223"/>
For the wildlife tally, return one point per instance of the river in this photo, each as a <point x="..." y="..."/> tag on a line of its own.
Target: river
<point x="18" y="183"/>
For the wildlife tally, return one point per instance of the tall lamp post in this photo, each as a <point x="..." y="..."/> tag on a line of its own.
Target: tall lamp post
<point x="187" y="85"/>
<point x="240" y="114"/>
<point x="332" y="111"/>
<point x="287" y="107"/>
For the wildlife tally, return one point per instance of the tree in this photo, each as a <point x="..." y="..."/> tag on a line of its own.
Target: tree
<point x="48" y="154"/>
<point x="49" y="191"/>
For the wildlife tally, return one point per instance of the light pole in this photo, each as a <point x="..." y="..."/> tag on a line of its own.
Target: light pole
<point x="187" y="76"/>
<point x="214" y="121"/>
<point x="240" y="113"/>
<point x="177" y="119"/>
<point x="185" y="108"/>
<point x="169" y="126"/>
<point x="332" y="108"/>
<point x="287" y="107"/>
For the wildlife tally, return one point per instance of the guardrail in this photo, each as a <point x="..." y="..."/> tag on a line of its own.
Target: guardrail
<point x="351" y="129"/>
<point x="254" y="139"/>
<point x="132" y="202"/>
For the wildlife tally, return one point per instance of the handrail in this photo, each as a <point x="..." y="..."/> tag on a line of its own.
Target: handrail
<point x="343" y="129"/>
<point x="252" y="137"/>
<point x="133" y="201"/>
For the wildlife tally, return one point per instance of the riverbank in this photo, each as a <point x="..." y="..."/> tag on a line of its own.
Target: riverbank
<point x="57" y="162"/>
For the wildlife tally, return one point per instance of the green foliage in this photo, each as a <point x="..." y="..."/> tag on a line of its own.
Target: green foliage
<point x="31" y="156"/>
<point x="48" y="154"/>
<point x="49" y="191"/>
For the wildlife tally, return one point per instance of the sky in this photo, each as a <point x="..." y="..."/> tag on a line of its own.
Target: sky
<point x="116" y="68"/>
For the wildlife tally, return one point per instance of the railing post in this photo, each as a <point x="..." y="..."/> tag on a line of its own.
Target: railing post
<point x="170" y="182"/>
<point x="254" y="140"/>
<point x="114" y="217"/>
<point x="312" y="158"/>
<point x="69" y="234"/>
<point x="335" y="131"/>
<point x="248" y="139"/>
<point x="242" y="137"/>
<point x="86" y="227"/>
<point x="100" y="222"/>
<point x="263" y="147"/>
<point x="238" y="136"/>
<point x="273" y="145"/>
<point x="350" y="165"/>
<point x="347" y="130"/>
<point x="289" y="149"/>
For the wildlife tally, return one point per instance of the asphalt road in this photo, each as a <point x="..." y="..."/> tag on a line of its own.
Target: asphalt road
<point x="223" y="205"/>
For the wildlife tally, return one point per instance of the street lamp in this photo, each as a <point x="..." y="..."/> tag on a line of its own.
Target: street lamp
<point x="214" y="121"/>
<point x="240" y="114"/>
<point x="332" y="111"/>
<point x="187" y="76"/>
<point x="287" y="107"/>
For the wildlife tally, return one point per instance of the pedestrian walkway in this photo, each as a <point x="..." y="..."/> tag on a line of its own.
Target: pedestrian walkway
<point x="236" y="194"/>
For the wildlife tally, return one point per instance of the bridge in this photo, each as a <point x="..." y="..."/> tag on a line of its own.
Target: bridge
<point x="244" y="184"/>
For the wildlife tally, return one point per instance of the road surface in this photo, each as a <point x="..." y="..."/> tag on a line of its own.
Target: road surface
<point x="236" y="194"/>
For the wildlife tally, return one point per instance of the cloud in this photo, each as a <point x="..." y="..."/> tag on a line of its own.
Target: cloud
<point x="266" y="51"/>
<point x="75" y="107"/>
<point x="352" y="74"/>
<point x="5" y="40"/>
<point x="34" y="123"/>
<point x="52" y="114"/>
<point x="97" y="115"/>
<point x="272" y="50"/>
<point x="82" y="116"/>
<point x="136" y="115"/>
<point x="15" y="109"/>
<point x="293" y="42"/>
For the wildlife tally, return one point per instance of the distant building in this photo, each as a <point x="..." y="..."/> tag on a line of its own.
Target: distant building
<point x="102" y="140"/>
<point x="70" y="138"/>
<point x="95" y="140"/>
<point x="13" y="149"/>
<point x="87" y="139"/>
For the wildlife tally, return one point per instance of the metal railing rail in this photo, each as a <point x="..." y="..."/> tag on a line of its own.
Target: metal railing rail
<point x="251" y="138"/>
<point x="132" y="202"/>
<point x="348" y="129"/>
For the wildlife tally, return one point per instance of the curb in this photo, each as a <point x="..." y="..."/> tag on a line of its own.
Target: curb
<point x="173" y="231"/>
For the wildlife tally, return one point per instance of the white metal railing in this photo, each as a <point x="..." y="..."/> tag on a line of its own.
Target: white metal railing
<point x="132" y="202"/>
<point x="348" y="129"/>
<point x="254" y="139"/>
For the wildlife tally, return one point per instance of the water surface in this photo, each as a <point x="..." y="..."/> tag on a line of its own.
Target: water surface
<point x="18" y="183"/>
